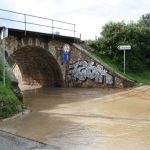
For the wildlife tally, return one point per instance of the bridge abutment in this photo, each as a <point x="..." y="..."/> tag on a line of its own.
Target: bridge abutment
<point x="40" y="60"/>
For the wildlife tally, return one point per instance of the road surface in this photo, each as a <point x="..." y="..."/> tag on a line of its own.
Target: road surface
<point x="86" y="119"/>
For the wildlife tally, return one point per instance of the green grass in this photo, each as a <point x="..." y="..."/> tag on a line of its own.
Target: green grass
<point x="9" y="103"/>
<point x="106" y="60"/>
<point x="139" y="78"/>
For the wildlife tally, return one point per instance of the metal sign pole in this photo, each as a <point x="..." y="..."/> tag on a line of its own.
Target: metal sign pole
<point x="66" y="78"/>
<point x="124" y="48"/>
<point x="4" y="35"/>
<point x="124" y="61"/>
<point x="4" y="73"/>
<point x="4" y="62"/>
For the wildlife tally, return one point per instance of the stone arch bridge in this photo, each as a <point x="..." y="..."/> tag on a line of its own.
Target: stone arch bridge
<point x="39" y="58"/>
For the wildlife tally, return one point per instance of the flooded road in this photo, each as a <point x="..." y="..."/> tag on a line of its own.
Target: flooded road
<point x="86" y="119"/>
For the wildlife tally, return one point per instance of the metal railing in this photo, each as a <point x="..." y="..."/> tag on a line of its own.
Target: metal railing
<point x="26" y="17"/>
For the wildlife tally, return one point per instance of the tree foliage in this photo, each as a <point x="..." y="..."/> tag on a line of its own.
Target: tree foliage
<point x="135" y="34"/>
<point x="145" y="20"/>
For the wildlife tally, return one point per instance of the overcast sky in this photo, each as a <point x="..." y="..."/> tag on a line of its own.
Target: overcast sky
<point x="88" y="15"/>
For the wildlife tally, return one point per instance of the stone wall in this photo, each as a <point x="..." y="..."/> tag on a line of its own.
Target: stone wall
<point x="84" y="70"/>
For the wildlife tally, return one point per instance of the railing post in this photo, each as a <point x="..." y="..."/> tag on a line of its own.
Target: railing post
<point x="74" y="31"/>
<point x="53" y="29"/>
<point x="25" y="22"/>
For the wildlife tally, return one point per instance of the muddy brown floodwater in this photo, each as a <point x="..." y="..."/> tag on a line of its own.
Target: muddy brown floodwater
<point x="86" y="119"/>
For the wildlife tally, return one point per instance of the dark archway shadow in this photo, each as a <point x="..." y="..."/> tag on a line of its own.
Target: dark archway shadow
<point x="38" y="67"/>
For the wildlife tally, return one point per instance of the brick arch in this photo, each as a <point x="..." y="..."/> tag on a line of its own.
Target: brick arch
<point x="38" y="66"/>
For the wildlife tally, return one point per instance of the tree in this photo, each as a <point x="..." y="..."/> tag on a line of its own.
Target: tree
<point x="145" y="20"/>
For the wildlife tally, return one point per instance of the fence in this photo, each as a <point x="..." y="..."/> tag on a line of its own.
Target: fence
<point x="30" y="22"/>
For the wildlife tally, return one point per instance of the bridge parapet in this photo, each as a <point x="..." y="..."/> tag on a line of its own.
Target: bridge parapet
<point x="34" y="23"/>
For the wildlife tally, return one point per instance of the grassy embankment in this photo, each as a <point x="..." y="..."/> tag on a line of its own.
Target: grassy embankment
<point x="139" y="78"/>
<point x="9" y="103"/>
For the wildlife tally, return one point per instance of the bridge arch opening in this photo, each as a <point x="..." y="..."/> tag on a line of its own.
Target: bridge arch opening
<point x="37" y="67"/>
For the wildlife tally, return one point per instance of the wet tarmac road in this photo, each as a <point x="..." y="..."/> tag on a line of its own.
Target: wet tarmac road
<point x="12" y="142"/>
<point x="86" y="119"/>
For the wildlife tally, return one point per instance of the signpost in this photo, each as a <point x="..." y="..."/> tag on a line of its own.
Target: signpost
<point x="124" y="48"/>
<point x="66" y="58"/>
<point x="4" y="35"/>
<point x="66" y="50"/>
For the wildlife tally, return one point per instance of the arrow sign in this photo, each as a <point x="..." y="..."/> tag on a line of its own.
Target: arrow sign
<point x="124" y="47"/>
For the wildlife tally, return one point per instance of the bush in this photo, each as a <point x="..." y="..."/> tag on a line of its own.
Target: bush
<point x="9" y="103"/>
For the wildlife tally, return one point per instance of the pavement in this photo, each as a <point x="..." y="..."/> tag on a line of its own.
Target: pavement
<point x="12" y="142"/>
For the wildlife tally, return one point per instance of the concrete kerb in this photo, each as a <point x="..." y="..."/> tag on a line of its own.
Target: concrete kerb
<point x="24" y="113"/>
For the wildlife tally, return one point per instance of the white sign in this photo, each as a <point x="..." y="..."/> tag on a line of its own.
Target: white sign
<point x="124" y="47"/>
<point x="4" y="33"/>
<point x="66" y="48"/>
